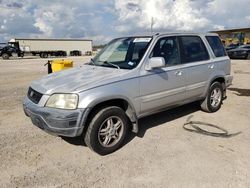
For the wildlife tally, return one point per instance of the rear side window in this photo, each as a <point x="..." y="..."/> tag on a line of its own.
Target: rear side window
<point x="192" y="49"/>
<point x="216" y="46"/>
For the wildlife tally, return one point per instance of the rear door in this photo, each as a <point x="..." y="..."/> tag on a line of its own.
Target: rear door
<point x="198" y="67"/>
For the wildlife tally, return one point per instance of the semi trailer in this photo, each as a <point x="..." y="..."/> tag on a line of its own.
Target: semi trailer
<point x="52" y="47"/>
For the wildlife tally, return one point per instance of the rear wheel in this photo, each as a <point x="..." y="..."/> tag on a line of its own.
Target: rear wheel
<point x="107" y="130"/>
<point x="5" y="56"/>
<point x="213" y="100"/>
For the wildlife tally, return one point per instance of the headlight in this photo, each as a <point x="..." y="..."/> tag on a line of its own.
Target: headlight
<point x="63" y="101"/>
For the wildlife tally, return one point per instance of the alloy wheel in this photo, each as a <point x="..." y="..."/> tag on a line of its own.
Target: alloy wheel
<point x="110" y="131"/>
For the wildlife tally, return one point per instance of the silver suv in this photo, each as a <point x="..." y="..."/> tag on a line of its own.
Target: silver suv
<point x="132" y="77"/>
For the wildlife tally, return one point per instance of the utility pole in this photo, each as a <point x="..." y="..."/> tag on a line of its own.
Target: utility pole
<point x="152" y="24"/>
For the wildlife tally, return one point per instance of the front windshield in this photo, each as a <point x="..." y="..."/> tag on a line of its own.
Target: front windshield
<point x="124" y="53"/>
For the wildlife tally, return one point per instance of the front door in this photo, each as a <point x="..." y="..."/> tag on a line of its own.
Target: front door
<point x="162" y="87"/>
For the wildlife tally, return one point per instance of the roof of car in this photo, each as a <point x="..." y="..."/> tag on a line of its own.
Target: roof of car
<point x="184" y="33"/>
<point x="172" y="33"/>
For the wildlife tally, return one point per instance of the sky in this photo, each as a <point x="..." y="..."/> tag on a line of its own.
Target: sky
<point x="103" y="20"/>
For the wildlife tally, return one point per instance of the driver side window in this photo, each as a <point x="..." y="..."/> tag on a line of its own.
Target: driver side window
<point x="168" y="49"/>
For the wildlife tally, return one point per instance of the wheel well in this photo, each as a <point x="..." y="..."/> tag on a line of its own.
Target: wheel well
<point x="220" y="80"/>
<point x="114" y="102"/>
<point x="123" y="104"/>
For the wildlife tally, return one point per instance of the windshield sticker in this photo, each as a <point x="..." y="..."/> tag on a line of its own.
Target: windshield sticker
<point x="131" y="63"/>
<point x="142" y="39"/>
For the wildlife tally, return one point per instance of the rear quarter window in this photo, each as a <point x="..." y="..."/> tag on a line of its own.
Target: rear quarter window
<point x="192" y="49"/>
<point x="216" y="45"/>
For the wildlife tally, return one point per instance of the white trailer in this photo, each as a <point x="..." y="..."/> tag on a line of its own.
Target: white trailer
<point x="53" y="47"/>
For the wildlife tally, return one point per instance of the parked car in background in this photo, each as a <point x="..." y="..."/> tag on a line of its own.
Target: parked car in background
<point x="8" y="51"/>
<point x="232" y="46"/>
<point x="132" y="77"/>
<point x="242" y="51"/>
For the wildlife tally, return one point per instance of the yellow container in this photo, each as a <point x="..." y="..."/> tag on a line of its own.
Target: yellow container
<point x="61" y="64"/>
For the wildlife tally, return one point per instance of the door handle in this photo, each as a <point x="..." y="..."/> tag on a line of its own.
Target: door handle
<point x="211" y="66"/>
<point x="178" y="73"/>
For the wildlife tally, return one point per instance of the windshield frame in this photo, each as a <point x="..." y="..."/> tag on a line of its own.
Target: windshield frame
<point x="97" y="62"/>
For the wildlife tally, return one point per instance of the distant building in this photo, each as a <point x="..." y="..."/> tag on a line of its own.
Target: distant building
<point x="234" y="36"/>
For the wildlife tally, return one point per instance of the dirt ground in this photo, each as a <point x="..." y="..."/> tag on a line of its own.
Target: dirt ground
<point x="163" y="154"/>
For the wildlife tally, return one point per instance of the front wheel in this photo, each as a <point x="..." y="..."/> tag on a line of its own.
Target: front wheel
<point x="107" y="130"/>
<point x="213" y="100"/>
<point x="5" y="56"/>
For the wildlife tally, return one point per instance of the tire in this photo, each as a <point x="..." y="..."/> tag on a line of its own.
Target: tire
<point x="213" y="100"/>
<point x="5" y="56"/>
<point x="100" y="136"/>
<point x="44" y="55"/>
<point x="248" y="56"/>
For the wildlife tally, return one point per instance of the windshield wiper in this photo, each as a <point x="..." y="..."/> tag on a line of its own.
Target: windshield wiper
<point x="108" y="63"/>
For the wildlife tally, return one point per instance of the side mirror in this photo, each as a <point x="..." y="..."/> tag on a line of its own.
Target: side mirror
<point x="155" y="62"/>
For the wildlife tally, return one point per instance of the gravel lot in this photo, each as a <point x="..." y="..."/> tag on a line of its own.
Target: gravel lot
<point x="163" y="154"/>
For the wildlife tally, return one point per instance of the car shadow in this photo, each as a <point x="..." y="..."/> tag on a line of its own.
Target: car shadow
<point x="77" y="141"/>
<point x="160" y="118"/>
<point x="241" y="92"/>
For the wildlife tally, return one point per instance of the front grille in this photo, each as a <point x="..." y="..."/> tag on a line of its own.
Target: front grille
<point x="34" y="96"/>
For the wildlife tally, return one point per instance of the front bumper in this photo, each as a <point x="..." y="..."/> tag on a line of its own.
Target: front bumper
<point x="61" y="122"/>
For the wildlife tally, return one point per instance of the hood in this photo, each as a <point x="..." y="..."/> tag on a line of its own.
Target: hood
<point x="77" y="79"/>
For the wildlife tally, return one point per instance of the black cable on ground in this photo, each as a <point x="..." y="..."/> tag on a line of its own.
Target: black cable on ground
<point x="195" y="128"/>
